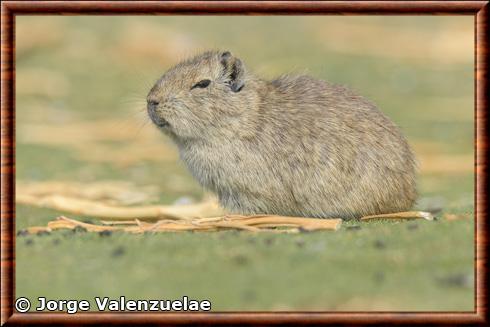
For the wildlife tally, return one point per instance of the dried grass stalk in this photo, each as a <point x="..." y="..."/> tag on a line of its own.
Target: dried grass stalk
<point x="108" y="192"/>
<point x="251" y="224"/>
<point x="38" y="229"/>
<point x="451" y="216"/>
<point x="100" y="210"/>
<point x="402" y="215"/>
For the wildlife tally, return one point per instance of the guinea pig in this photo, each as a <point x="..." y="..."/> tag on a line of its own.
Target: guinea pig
<point x="293" y="146"/>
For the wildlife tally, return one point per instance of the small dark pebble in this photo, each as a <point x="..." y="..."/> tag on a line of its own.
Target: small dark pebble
<point x="435" y="211"/>
<point x="269" y="241"/>
<point x="300" y="243"/>
<point x="29" y="242"/>
<point x="79" y="229"/>
<point x="22" y="232"/>
<point x="87" y="221"/>
<point x="249" y="295"/>
<point x="67" y="233"/>
<point x="412" y="226"/>
<point x="105" y="233"/>
<point x="43" y="233"/>
<point x="353" y="228"/>
<point x="56" y="241"/>
<point x="240" y="259"/>
<point x="379" y="277"/>
<point x="119" y="251"/>
<point x="456" y="280"/>
<point x="378" y="244"/>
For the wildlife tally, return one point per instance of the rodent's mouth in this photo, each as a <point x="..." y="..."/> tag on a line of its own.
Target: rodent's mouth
<point x="157" y="120"/>
<point x="162" y="123"/>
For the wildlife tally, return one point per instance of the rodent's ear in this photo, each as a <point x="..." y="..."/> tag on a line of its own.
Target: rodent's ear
<point x="233" y="71"/>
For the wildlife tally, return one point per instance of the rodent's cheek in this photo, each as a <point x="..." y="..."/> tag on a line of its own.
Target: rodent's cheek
<point x="150" y="110"/>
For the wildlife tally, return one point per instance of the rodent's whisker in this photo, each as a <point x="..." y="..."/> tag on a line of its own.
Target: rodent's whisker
<point x="145" y="81"/>
<point x="142" y="124"/>
<point x="133" y="101"/>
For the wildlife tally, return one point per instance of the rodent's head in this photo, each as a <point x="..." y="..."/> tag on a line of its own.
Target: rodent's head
<point x="208" y="95"/>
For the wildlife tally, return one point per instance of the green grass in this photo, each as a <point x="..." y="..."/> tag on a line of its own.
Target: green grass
<point x="403" y="266"/>
<point x="382" y="266"/>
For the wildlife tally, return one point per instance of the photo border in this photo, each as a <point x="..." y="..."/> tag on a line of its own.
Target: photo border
<point x="11" y="9"/>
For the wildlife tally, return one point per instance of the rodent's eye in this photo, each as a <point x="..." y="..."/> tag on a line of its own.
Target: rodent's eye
<point x="202" y="84"/>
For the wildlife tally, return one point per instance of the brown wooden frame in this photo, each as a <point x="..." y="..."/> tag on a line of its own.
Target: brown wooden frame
<point x="10" y="9"/>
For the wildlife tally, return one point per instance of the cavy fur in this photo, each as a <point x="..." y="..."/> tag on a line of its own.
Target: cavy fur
<point x="294" y="146"/>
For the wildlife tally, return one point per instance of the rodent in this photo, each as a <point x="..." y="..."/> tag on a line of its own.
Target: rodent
<point x="293" y="146"/>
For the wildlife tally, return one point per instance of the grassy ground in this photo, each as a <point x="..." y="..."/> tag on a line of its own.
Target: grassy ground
<point x="81" y="79"/>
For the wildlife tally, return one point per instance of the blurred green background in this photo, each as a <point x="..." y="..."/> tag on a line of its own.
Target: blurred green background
<point x="81" y="84"/>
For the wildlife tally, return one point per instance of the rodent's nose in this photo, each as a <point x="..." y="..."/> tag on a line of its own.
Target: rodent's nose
<point x="153" y="103"/>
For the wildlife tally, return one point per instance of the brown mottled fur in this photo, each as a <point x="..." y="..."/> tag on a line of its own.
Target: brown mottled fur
<point x="293" y="146"/>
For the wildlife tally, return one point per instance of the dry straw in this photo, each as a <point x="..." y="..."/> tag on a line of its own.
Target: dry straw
<point x="109" y="204"/>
